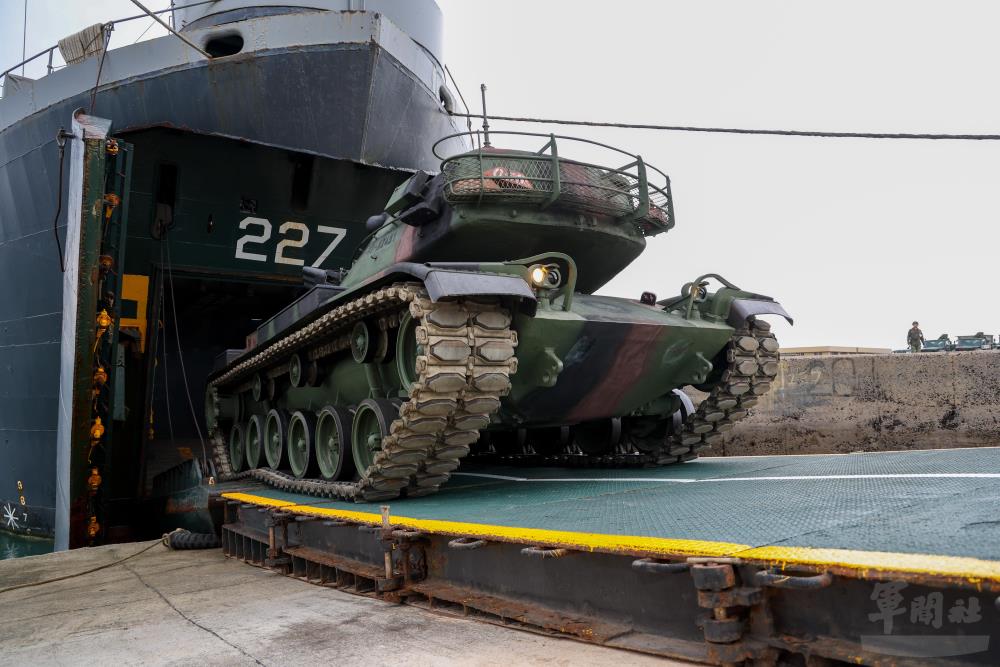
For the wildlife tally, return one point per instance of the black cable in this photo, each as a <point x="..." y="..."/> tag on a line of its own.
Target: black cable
<point x="180" y="358"/>
<point x="118" y="561"/>
<point x="106" y="30"/>
<point x="61" y="137"/>
<point x="733" y="130"/>
<point x="92" y="39"/>
<point x="24" y="37"/>
<point x="151" y="24"/>
<point x="55" y="220"/>
<point x="166" y="373"/>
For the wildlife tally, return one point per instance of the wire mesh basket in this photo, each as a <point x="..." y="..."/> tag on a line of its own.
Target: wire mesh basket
<point x="545" y="179"/>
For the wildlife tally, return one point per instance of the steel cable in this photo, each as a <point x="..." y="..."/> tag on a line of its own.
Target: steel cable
<point x="106" y="31"/>
<point x="734" y="130"/>
<point x="166" y="374"/>
<point x="80" y="574"/>
<point x="180" y="357"/>
<point x="24" y="38"/>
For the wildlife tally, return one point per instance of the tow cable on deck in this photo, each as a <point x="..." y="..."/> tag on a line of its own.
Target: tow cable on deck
<point x="180" y="538"/>
<point x="119" y="561"/>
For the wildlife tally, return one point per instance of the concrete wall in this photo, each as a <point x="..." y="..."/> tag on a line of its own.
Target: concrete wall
<point x="874" y="403"/>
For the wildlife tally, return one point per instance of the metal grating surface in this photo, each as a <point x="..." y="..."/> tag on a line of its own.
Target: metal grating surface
<point x="739" y="500"/>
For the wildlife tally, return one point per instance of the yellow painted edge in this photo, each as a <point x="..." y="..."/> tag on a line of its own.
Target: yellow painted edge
<point x="257" y="500"/>
<point x="973" y="570"/>
<point x="560" y="538"/>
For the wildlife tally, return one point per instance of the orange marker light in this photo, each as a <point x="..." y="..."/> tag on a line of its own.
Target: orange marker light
<point x="97" y="429"/>
<point x="93" y="528"/>
<point x="94" y="481"/>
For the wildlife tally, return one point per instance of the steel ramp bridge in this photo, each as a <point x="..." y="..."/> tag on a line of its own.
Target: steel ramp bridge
<point x="876" y="558"/>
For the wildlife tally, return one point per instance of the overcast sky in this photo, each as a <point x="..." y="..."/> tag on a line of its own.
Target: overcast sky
<point x="855" y="237"/>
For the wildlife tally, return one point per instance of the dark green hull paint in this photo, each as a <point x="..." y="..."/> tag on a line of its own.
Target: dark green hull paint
<point x="214" y="178"/>
<point x="221" y="182"/>
<point x="102" y="234"/>
<point x="535" y="250"/>
<point x="617" y="355"/>
<point x="600" y="247"/>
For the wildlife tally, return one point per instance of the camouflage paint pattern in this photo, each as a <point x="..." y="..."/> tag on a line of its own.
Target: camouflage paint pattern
<point x="581" y="357"/>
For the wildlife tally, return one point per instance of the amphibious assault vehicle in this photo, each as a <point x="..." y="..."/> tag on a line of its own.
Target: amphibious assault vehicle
<point x="977" y="341"/>
<point x="468" y="322"/>
<point x="940" y="344"/>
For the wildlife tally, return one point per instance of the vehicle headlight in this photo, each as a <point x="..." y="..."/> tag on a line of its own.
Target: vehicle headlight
<point x="545" y="276"/>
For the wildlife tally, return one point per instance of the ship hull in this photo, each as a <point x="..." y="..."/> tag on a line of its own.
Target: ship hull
<point x="236" y="131"/>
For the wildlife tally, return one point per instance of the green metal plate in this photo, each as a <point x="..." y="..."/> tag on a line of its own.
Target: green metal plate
<point x="939" y="502"/>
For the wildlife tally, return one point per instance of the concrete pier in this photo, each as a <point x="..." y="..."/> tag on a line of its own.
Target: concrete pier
<point x="196" y="607"/>
<point x="848" y="403"/>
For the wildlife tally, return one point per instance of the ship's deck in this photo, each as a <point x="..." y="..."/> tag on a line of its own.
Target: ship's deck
<point x="919" y="511"/>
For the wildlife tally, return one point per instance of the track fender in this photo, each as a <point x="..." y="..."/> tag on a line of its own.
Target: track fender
<point x="742" y="308"/>
<point x="443" y="284"/>
<point x="451" y="282"/>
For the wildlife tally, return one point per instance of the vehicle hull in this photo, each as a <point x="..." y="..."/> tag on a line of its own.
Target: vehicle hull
<point x="616" y="355"/>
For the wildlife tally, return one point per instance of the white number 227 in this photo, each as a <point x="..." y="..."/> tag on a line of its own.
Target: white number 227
<point x="294" y="235"/>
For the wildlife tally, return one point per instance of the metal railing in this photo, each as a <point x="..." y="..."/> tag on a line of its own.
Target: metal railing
<point x="109" y="25"/>
<point x="635" y="191"/>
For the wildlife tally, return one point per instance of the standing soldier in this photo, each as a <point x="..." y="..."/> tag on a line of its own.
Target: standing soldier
<point x="915" y="337"/>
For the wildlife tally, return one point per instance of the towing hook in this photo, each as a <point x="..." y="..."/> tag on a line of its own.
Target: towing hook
<point x="545" y="552"/>
<point x="804" y="583"/>
<point x="466" y="543"/>
<point x="652" y="566"/>
<point x="404" y="537"/>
